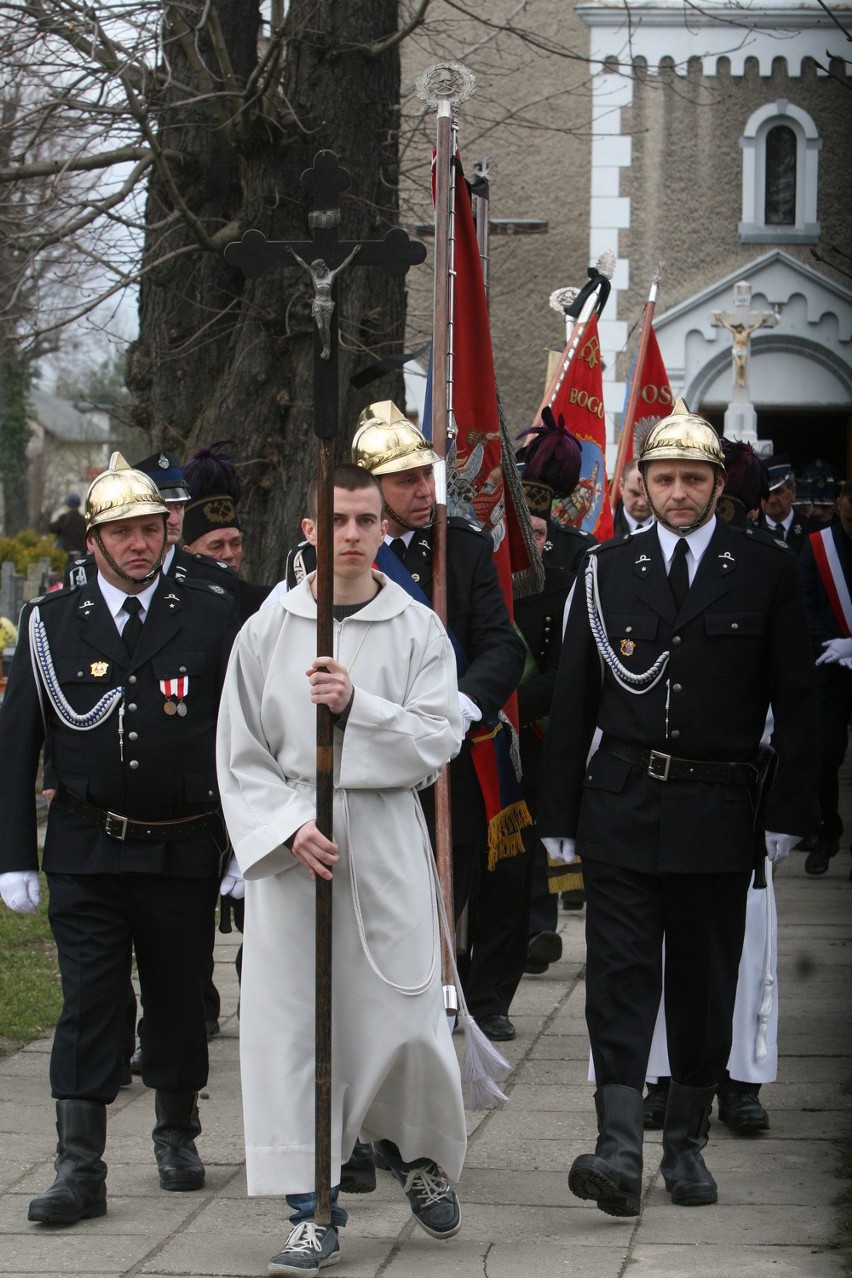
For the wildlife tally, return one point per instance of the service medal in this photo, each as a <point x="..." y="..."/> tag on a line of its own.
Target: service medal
<point x="98" y="669"/>
<point x="172" y="688"/>
<point x="628" y="647"/>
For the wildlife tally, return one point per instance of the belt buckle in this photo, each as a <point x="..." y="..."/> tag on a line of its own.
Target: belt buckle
<point x="116" y="826"/>
<point x="657" y="760"/>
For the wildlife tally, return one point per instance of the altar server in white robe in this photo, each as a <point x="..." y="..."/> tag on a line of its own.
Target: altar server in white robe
<point x="391" y="685"/>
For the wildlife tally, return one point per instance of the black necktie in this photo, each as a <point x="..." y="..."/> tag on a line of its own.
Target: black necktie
<point x="398" y="547"/>
<point x="133" y="626"/>
<point x="679" y="573"/>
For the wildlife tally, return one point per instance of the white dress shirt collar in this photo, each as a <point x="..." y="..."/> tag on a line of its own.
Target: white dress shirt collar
<point x="697" y="542"/>
<point x="115" y="600"/>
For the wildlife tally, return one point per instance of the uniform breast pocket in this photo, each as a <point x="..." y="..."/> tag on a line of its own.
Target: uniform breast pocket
<point x="627" y="631"/>
<point x="91" y="670"/>
<point x="736" y="625"/>
<point x="187" y="665"/>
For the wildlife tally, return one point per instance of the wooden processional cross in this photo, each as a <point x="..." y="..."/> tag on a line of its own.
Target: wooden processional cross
<point x="325" y="257"/>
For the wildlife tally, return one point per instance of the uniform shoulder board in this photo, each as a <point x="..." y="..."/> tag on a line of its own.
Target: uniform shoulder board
<point x="200" y="583"/>
<point x="53" y="594"/>
<point x="468" y="525"/>
<point x="209" y="561"/>
<point x="763" y="537"/>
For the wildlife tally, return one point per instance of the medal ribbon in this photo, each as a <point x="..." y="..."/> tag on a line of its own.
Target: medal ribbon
<point x="175" y="687"/>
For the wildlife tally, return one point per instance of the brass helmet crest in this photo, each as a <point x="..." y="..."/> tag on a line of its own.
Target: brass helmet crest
<point x="386" y="441"/>
<point x="120" y="492"/>
<point x="682" y="436"/>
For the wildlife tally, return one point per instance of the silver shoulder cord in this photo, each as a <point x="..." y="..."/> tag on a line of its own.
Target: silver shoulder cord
<point x="628" y="679"/>
<point x="45" y="675"/>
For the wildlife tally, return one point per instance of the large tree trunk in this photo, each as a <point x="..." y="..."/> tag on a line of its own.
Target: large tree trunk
<point x="219" y="357"/>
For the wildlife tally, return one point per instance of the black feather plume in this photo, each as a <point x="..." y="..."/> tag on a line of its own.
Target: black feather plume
<point x="208" y="473"/>
<point x="551" y="454"/>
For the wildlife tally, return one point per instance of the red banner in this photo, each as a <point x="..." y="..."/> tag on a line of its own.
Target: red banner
<point x="479" y="476"/>
<point x="579" y="398"/>
<point x="655" y="399"/>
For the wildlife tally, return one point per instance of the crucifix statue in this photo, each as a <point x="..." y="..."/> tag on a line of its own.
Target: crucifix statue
<point x="741" y="322"/>
<point x="325" y="258"/>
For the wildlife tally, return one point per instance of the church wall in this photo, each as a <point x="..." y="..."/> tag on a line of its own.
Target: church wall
<point x="685" y="182"/>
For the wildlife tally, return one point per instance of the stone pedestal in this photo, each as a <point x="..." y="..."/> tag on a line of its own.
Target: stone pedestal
<point x="741" y="422"/>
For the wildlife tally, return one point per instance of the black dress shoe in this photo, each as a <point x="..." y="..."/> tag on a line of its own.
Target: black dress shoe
<point x="212" y="1028"/>
<point x="136" y="1061"/>
<point x="496" y="1027"/>
<point x="573" y="899"/>
<point x="543" y="949"/>
<point x="817" y="860"/>
<point x="358" y="1173"/>
<point x="741" y="1111"/>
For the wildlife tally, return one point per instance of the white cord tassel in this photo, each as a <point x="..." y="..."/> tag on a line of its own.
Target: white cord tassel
<point x="768" y="997"/>
<point x="481" y="1061"/>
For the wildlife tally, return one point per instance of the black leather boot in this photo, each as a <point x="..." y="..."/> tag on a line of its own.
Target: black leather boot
<point x="612" y="1175"/>
<point x="79" y="1191"/>
<point x="174" y="1135"/>
<point x="684" y="1136"/>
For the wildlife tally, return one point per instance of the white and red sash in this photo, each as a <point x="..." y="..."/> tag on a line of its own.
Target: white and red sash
<point x="833" y="578"/>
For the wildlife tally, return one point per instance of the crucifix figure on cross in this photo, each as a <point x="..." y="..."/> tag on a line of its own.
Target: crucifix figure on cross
<point x="324" y="257"/>
<point x="322" y="307"/>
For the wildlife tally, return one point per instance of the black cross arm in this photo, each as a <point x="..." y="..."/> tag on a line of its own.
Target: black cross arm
<point x="254" y="254"/>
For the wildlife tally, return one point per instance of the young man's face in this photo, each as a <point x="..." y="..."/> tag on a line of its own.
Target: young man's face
<point x="411" y="495"/>
<point x="135" y="545"/>
<point x="679" y="490"/>
<point x="359" y="530"/>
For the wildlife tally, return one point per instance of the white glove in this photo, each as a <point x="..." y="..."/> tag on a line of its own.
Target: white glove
<point x="233" y="884"/>
<point x="470" y="712"/>
<point x="835" y="650"/>
<point x="564" y="850"/>
<point x="779" y="846"/>
<point x="20" y="890"/>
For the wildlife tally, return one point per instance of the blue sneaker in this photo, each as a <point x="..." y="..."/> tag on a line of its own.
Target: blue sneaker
<point x="434" y="1203"/>
<point x="309" y="1248"/>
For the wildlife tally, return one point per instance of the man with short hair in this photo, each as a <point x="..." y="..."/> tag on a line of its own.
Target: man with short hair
<point x="633" y="512"/>
<point x="122" y="678"/>
<point x="490" y="660"/>
<point x="676" y="646"/>
<point x="391" y="687"/>
<point x="779" y="512"/>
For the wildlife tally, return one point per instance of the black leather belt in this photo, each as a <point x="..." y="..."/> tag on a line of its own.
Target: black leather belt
<point x="122" y="827"/>
<point x="666" y="767"/>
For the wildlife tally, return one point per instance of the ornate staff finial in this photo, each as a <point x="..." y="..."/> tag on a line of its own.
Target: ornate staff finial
<point x="445" y="82"/>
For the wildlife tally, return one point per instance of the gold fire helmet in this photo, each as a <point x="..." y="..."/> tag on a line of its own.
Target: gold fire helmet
<point x="386" y="441"/>
<point x="682" y="436"/>
<point x="121" y="493"/>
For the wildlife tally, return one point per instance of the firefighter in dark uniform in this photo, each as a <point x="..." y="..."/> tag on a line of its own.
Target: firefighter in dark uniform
<point x="164" y="469"/>
<point x="122" y="677"/>
<point x="678" y="674"/>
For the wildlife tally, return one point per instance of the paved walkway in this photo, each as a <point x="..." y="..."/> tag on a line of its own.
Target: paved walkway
<point x="776" y="1215"/>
